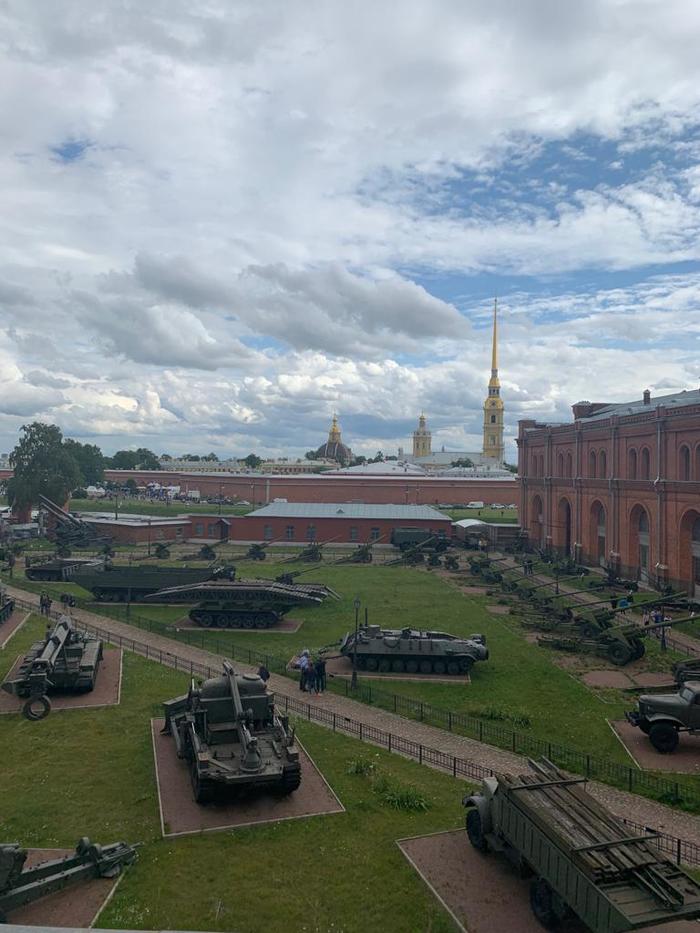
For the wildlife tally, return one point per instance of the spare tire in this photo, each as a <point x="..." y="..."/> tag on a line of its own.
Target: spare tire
<point x="36" y="708"/>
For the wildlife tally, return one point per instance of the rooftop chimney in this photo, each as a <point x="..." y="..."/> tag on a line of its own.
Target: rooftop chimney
<point x="647" y="397"/>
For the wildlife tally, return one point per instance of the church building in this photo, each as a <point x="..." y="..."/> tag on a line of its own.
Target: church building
<point x="334" y="448"/>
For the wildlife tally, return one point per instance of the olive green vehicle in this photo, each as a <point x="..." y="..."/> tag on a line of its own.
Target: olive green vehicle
<point x="116" y="583"/>
<point x="662" y="716"/>
<point x="584" y="863"/>
<point x="413" y="652"/>
<point x="60" y="569"/>
<point x="66" y="661"/>
<point x="230" y="734"/>
<point x="243" y="603"/>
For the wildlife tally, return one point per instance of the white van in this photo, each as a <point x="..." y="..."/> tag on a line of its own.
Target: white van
<point x="475" y="505"/>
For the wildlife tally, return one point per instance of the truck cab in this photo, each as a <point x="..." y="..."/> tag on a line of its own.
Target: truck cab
<point x="663" y="716"/>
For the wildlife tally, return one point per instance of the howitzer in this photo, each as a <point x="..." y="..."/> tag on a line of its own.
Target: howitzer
<point x="19" y="885"/>
<point x="313" y="552"/>
<point x="257" y="550"/>
<point x="361" y="555"/>
<point x="67" y="660"/>
<point x="412" y="556"/>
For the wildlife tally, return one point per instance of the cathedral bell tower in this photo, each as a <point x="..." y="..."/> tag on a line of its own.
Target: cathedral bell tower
<point x="493" y="406"/>
<point x="422" y="442"/>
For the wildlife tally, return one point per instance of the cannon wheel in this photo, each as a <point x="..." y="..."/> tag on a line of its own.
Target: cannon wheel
<point x="475" y="830"/>
<point x="30" y="712"/>
<point x="619" y="653"/>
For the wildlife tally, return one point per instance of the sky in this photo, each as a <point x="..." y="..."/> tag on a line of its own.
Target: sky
<point x="222" y="222"/>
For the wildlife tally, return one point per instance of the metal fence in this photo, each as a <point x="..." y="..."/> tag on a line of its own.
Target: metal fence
<point x="629" y="777"/>
<point x="680" y="850"/>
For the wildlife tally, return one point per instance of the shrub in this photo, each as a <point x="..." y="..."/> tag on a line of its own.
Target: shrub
<point x="362" y="766"/>
<point x="400" y="796"/>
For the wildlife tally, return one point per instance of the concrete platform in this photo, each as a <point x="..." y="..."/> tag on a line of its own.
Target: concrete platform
<point x="609" y="678"/>
<point x="75" y="906"/>
<point x="180" y="815"/>
<point x="12" y="625"/>
<point x="685" y="759"/>
<point x="498" y="610"/>
<point x="483" y="894"/>
<point x="107" y="690"/>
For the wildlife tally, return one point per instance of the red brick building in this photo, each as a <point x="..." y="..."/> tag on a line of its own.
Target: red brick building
<point x="260" y="489"/>
<point x="619" y="486"/>
<point x="342" y="523"/>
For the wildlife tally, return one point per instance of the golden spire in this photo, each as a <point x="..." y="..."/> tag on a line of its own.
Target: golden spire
<point x="334" y="433"/>
<point x="494" y="348"/>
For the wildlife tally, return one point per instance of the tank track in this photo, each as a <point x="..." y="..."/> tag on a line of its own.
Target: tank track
<point x="230" y="618"/>
<point x="412" y="665"/>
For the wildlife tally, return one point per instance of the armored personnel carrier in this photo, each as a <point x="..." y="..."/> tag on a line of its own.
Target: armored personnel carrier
<point x="66" y="661"/>
<point x="243" y="603"/>
<point x="60" y="569"/>
<point x="124" y="583"/>
<point x="409" y="651"/>
<point x="231" y="736"/>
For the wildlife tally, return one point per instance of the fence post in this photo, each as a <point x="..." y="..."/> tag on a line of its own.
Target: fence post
<point x="421" y="711"/>
<point x="449" y="720"/>
<point x="420" y="754"/>
<point x="334" y="722"/>
<point x="678" y="851"/>
<point x="481" y="731"/>
<point x="394" y="702"/>
<point x="360" y="732"/>
<point x="389" y="741"/>
<point x="588" y="765"/>
<point x="629" y="779"/>
<point x="454" y="766"/>
<point x="308" y="711"/>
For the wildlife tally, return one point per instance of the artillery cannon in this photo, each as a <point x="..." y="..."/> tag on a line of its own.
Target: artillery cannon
<point x="232" y="738"/>
<point x="620" y="644"/>
<point x="590" y="620"/>
<point x="361" y="555"/>
<point x="312" y="553"/>
<point x="65" y="661"/>
<point x="686" y="670"/>
<point x="584" y="862"/>
<point x="451" y="563"/>
<point x="409" y="651"/>
<point x="243" y="603"/>
<point x="257" y="551"/>
<point x="19" y="885"/>
<point x="69" y="530"/>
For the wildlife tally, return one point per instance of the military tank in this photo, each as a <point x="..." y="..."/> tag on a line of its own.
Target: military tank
<point x="66" y="661"/>
<point x="132" y="583"/>
<point x="60" y="569"/>
<point x="409" y="651"/>
<point x="243" y="603"/>
<point x="229" y="732"/>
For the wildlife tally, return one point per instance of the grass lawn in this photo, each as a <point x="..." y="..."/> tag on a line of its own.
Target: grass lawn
<point x="91" y="773"/>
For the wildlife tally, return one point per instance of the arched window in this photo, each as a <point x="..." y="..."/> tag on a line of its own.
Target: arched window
<point x="684" y="463"/>
<point x="632" y="464"/>
<point x="592" y="464"/>
<point x="603" y="465"/>
<point x="560" y="465"/>
<point x="643" y="522"/>
<point x="570" y="468"/>
<point x="645" y="466"/>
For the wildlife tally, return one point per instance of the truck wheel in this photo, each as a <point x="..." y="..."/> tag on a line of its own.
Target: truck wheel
<point x="645" y="726"/>
<point x="639" y="648"/>
<point x="475" y="830"/>
<point x="590" y="630"/>
<point x="664" y="737"/>
<point x="36" y="708"/>
<point x="542" y="903"/>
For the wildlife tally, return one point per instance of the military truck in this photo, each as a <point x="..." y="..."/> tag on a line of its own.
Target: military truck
<point x="583" y="861"/>
<point x="243" y="603"/>
<point x="66" y="661"/>
<point x="405" y="538"/>
<point x="409" y="651"/>
<point x="114" y="583"/>
<point x="233" y="739"/>
<point x="20" y="885"/>
<point x="662" y="716"/>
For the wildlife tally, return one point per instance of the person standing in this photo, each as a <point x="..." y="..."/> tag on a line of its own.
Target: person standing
<point x="311" y="677"/>
<point x="320" y="667"/>
<point x="303" y="664"/>
<point x="263" y="674"/>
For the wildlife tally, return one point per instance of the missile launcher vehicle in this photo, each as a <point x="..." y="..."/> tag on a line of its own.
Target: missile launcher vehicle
<point x="234" y="741"/>
<point x="66" y="661"/>
<point x="20" y="885"/>
<point x="125" y="583"/>
<point x="411" y="652"/>
<point x="243" y="603"/>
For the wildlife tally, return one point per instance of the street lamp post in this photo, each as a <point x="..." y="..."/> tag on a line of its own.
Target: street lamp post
<point x="353" y="682"/>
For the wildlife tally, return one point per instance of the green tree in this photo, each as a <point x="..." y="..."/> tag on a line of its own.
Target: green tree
<point x="252" y="461"/>
<point x="42" y="466"/>
<point x="463" y="462"/>
<point x="90" y="460"/>
<point x="140" y="459"/>
<point x="310" y="455"/>
<point x="210" y="458"/>
<point x="131" y="486"/>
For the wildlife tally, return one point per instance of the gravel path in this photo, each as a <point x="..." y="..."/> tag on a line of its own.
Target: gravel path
<point x="631" y="806"/>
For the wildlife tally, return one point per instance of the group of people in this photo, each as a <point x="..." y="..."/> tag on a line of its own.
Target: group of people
<point x="45" y="604"/>
<point x="313" y="673"/>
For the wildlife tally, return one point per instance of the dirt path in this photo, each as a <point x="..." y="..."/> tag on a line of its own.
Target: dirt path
<point x="646" y="812"/>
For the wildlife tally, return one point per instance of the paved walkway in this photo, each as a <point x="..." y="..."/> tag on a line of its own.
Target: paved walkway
<point x="631" y="806"/>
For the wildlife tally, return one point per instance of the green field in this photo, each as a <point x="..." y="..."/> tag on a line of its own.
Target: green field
<point x="90" y="773"/>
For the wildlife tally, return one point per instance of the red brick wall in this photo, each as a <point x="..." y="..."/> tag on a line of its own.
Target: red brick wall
<point x="252" y="528"/>
<point x="631" y="466"/>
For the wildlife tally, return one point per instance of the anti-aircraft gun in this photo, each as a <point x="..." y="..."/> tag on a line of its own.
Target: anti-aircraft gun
<point x="620" y="644"/>
<point x="229" y="732"/>
<point x="20" y="885"/>
<point x="65" y="661"/>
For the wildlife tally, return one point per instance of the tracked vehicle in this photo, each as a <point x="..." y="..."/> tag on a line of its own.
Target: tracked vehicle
<point x="131" y="584"/>
<point x="243" y="603"/>
<point x="66" y="661"/>
<point x="60" y="569"/>
<point x="229" y="733"/>
<point x="411" y="652"/>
